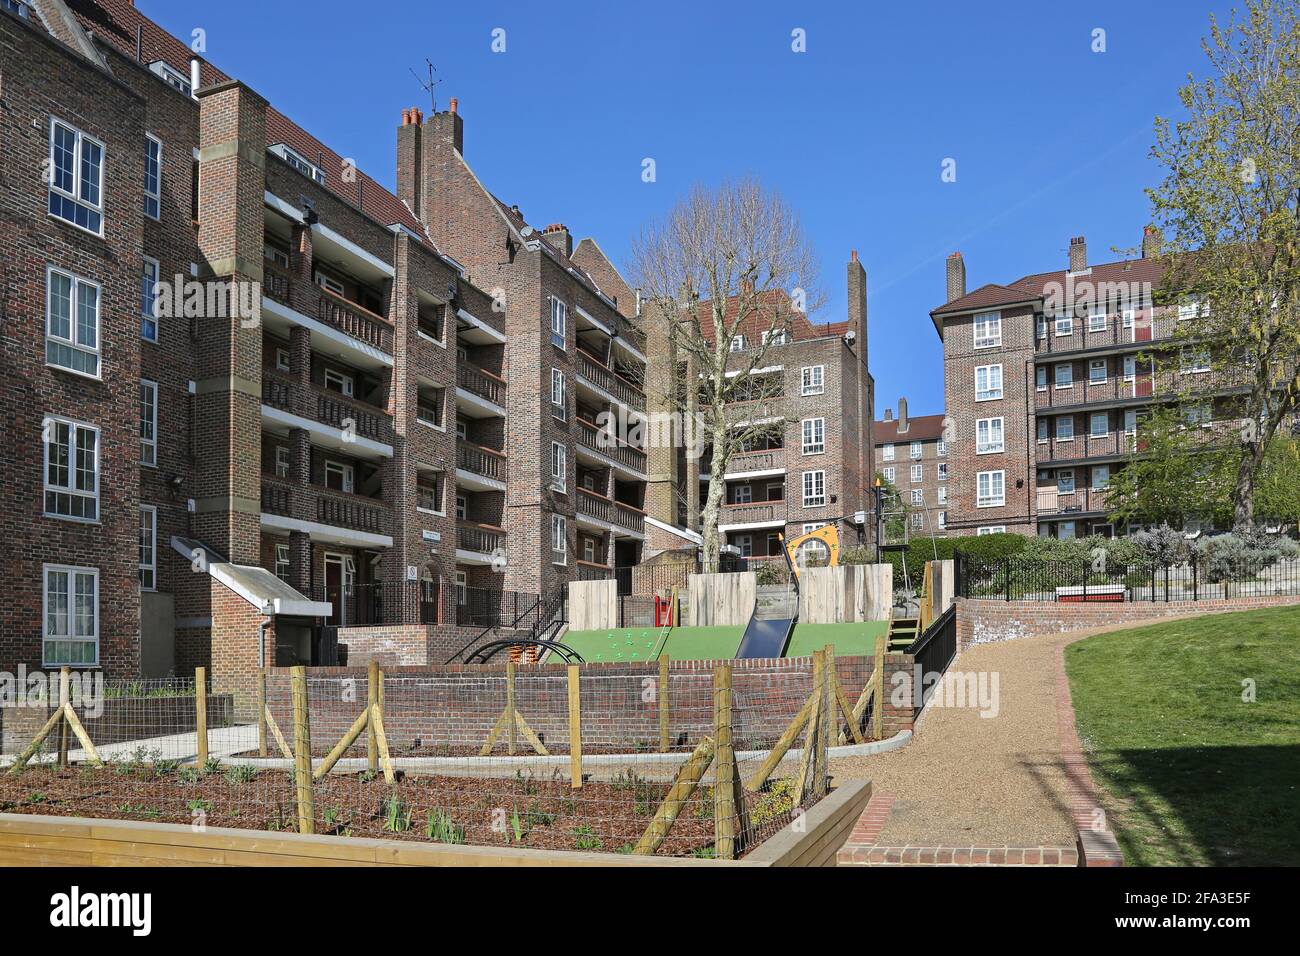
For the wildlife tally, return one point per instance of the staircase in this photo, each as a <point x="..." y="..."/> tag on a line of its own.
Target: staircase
<point x="902" y="632"/>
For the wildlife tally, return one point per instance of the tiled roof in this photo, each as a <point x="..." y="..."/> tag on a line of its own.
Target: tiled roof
<point x="986" y="296"/>
<point x="919" y="428"/>
<point x="1033" y="286"/>
<point x="117" y="21"/>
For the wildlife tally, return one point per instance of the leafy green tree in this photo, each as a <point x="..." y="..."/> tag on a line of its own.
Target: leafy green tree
<point x="1229" y="207"/>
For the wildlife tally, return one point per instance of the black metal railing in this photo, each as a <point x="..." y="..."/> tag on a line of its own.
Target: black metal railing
<point x="487" y="607"/>
<point x="932" y="652"/>
<point x="1199" y="578"/>
<point x="380" y="602"/>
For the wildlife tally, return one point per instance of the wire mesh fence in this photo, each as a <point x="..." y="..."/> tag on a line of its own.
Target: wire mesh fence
<point x="676" y="760"/>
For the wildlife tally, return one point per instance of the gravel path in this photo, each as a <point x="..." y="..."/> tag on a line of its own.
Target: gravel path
<point x="984" y="781"/>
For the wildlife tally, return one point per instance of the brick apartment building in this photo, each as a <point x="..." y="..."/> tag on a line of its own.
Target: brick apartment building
<point x="1045" y="381"/>
<point x="368" y="444"/>
<point x="912" y="455"/>
<point x="814" y="470"/>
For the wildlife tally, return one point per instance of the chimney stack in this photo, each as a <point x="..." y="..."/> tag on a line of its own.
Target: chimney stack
<point x="902" y="415"/>
<point x="557" y="233"/>
<point x="889" y="414"/>
<point x="1078" y="254"/>
<point x="410" y="161"/>
<point x="857" y="296"/>
<point x="448" y="128"/>
<point x="1151" y="242"/>
<point x="956" y="276"/>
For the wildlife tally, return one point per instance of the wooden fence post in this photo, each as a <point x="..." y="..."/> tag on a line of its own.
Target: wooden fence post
<point x="201" y="713"/>
<point x="372" y="699"/>
<point x="878" y="712"/>
<point x="725" y="810"/>
<point x="261" y="712"/>
<point x="65" y="695"/>
<point x="302" y="751"/>
<point x="511" y="723"/>
<point x="828" y="722"/>
<point x="664" y="740"/>
<point x="575" y="726"/>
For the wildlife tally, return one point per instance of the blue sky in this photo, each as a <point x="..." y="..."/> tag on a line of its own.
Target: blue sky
<point x="1050" y="139"/>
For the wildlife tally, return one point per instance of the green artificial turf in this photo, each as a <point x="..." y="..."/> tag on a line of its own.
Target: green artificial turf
<point x="1202" y="775"/>
<point x="639" y="643"/>
<point x="850" y="640"/>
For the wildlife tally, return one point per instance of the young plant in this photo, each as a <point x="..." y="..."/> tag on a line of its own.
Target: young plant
<point x="397" y="815"/>
<point x="586" y="839"/>
<point x="441" y="828"/>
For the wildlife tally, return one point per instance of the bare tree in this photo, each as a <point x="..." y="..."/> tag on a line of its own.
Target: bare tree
<point x="725" y="276"/>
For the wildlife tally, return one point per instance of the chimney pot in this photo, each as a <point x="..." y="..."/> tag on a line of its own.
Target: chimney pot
<point x="1151" y="242"/>
<point x="853" y="255"/>
<point x="889" y="414"/>
<point x="1078" y="254"/>
<point x="453" y="104"/>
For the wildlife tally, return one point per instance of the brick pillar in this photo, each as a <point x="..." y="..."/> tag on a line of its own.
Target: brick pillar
<point x="300" y="252"/>
<point x="300" y="473"/>
<point x="662" y="465"/>
<point x="300" y="561"/>
<point x="300" y="370"/>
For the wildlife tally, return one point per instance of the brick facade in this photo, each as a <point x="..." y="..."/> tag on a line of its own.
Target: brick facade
<point x="911" y="454"/>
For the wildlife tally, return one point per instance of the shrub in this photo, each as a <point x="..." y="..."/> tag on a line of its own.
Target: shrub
<point x="1162" y="545"/>
<point x="1226" y="556"/>
<point x="979" y="548"/>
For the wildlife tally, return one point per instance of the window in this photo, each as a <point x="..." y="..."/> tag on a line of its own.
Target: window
<point x="1043" y="434"/>
<point x="1097" y="372"/>
<point x="1040" y="326"/>
<point x="1064" y="375"/>
<point x="148" y="300"/>
<point x="148" y="552"/>
<point x="71" y="615"/>
<point x="71" y="470"/>
<point x="1130" y="367"/>
<point x="889" y="475"/>
<point x="990" y="489"/>
<point x="76" y="177"/>
<point x="589" y="550"/>
<point x="918" y="520"/>
<point x="1130" y="421"/>
<point x="746" y="545"/>
<point x="559" y="466"/>
<point x="988" y="330"/>
<point x="988" y="382"/>
<point x="1127" y="317"/>
<point x="777" y="337"/>
<point x="1040" y="378"/>
<point x="1097" y="320"/>
<point x="1198" y="414"/>
<point x="559" y="540"/>
<point x="559" y="407"/>
<point x="71" y="323"/>
<point x="1195" y="360"/>
<point x="814" y="436"/>
<point x="1098" y="425"/>
<point x="275" y="255"/>
<point x="559" y="322"/>
<point x="1100" y="477"/>
<point x="18" y="8"/>
<point x="887" y="451"/>
<point x="298" y="162"/>
<point x="1065" y="428"/>
<point x="430" y="405"/>
<point x="282" y="360"/>
<point x="992" y="529"/>
<point x="776" y="491"/>
<point x="918" y="472"/>
<point x="429" y="490"/>
<point x="152" y="176"/>
<point x="941" y="449"/>
<point x="281" y="461"/>
<point x="814" y="489"/>
<point x="737" y="344"/>
<point x="1065" y="530"/>
<point x="918" y="496"/>
<point x="338" y="382"/>
<point x="329" y="283"/>
<point x="943" y="520"/>
<point x="943" y="471"/>
<point x="812" y="380"/>
<point x="742" y="495"/>
<point x="282" y="562"/>
<point x="148" y="423"/>
<point x="1191" y="309"/>
<point x="942" y="496"/>
<point x="462" y="508"/>
<point x="916" y="449"/>
<point x="1064" y="324"/>
<point x="173" y="78"/>
<point x="338" y="476"/>
<point x="1065" y="481"/>
<point x="988" y="436"/>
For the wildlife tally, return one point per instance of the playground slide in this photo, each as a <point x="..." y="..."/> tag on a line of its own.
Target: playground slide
<point x="766" y="638"/>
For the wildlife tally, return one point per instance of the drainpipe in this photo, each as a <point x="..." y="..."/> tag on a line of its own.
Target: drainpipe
<point x="261" y="641"/>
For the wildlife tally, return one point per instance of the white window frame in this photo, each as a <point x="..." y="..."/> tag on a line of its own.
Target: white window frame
<point x="917" y="473"/>
<point x="149" y="425"/>
<point x="559" y="466"/>
<point x="814" y="436"/>
<point x="776" y="337"/>
<point x="1040" y="326"/>
<point x="329" y="283"/>
<point x="941" y="448"/>
<point x="149" y="568"/>
<point x="153" y="198"/>
<point x="889" y="474"/>
<point x="986" y="497"/>
<point x="74" y="428"/>
<point x="1097" y="320"/>
<point x="347" y="384"/>
<point x="150" y="274"/>
<point x="1059" y="435"/>
<point x="737" y="344"/>
<point x="1092" y="424"/>
<point x="984" y="436"/>
<point x="73" y="339"/>
<point x="1040" y="378"/>
<point x="1130" y="368"/>
<point x="1064" y="324"/>
<point x="1056" y="375"/>
<point x="988" y="395"/>
<point x="943" y="471"/>
<point x="560" y="536"/>
<point x="1092" y="477"/>
<point x="810" y="481"/>
<point x="918" y="496"/>
<point x="742" y="495"/>
<point x="991" y="529"/>
<point x="298" y="162"/>
<point x="1065" y="477"/>
<point x="991" y="325"/>
<point x="887" y="451"/>
<point x="75" y="195"/>
<point x="745" y="544"/>
<point x="1194" y="361"/>
<point x="1093" y="366"/>
<point x="916" y="450"/>
<point x="439" y="482"/>
<point x="282" y="561"/>
<point x="941" y="495"/>
<point x="73" y="572"/>
<point x="559" y="323"/>
<point x="559" y="395"/>
<point x="942" y="521"/>
<point x="283" y="461"/>
<point x="283" y="362"/>
<point x="812" y="380"/>
<point x="462" y="508"/>
<point x="589" y="550"/>
<point x="347" y="476"/>
<point x="1043" y="431"/>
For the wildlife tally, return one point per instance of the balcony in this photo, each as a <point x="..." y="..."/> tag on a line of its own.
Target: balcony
<point x="478" y="543"/>
<point x="354" y="320"/>
<point x="1070" y="504"/>
<point x="343" y="415"/>
<point x="594" y="438"/>
<point x="479" y="393"/>
<point x="771" y="462"/>
<point x="277" y="284"/>
<point x="610" y="513"/>
<point x="1084" y="447"/>
<point x="1114" y="333"/>
<point x="479" y="468"/>
<point x="1082" y="393"/>
<point x="329" y="516"/>
<point x="634" y="335"/>
<point x="607" y="383"/>
<point x="756" y="513"/>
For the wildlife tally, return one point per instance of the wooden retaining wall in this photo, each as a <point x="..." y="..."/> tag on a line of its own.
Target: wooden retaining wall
<point x="848" y="593"/>
<point x="722" y="599"/>
<point x="77" y="841"/>
<point x="593" y="605"/>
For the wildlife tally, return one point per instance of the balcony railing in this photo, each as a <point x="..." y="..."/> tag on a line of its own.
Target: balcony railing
<point x="481" y="382"/>
<point x="1083" y="335"/>
<point x="275" y="497"/>
<point x="1085" y="445"/>
<point x="1083" y="392"/>
<point x="380" y="602"/>
<point x="481" y="461"/>
<point x="1080" y="501"/>
<point x="479" y="538"/>
<point x="355" y="320"/>
<point x="632" y="333"/>
<point x="753" y="511"/>
<point x="351" y="511"/>
<point x="629" y="516"/>
<point x="590" y="436"/>
<point x="743" y="462"/>
<point x="610" y="382"/>
<point x="276" y="284"/>
<point x="592" y="505"/>
<point x="328" y="408"/>
<point x="277" y="392"/>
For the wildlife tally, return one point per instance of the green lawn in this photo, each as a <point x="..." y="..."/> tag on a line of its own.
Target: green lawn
<point x="850" y="640"/>
<point x="1200" y="776"/>
<point x="639" y="643"/>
